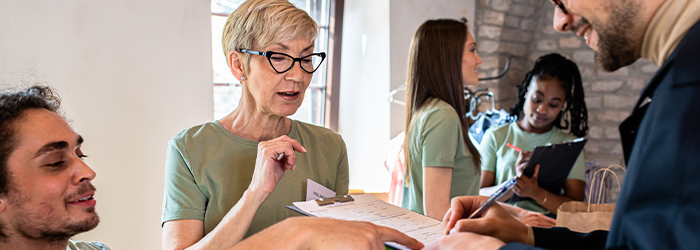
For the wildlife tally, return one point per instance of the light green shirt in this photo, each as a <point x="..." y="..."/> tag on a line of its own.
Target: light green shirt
<point x="436" y="141"/>
<point x="83" y="245"/>
<point x="208" y="169"/>
<point x="501" y="159"/>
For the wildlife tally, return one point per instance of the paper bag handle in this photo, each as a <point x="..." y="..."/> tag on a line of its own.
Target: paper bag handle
<point x="600" y="190"/>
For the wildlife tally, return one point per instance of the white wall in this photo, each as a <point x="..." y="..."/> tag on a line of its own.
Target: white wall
<point x="367" y="120"/>
<point x="364" y="82"/>
<point x="132" y="73"/>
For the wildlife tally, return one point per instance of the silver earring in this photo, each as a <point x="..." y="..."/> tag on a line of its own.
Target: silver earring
<point x="242" y="77"/>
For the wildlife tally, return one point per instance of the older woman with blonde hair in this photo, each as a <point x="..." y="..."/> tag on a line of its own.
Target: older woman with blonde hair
<point x="228" y="179"/>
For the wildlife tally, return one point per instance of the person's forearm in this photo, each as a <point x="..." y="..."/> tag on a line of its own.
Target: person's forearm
<point x="436" y="193"/>
<point x="513" y="210"/>
<point x="437" y="211"/>
<point x="235" y="224"/>
<point x="278" y="236"/>
<point x="550" y="201"/>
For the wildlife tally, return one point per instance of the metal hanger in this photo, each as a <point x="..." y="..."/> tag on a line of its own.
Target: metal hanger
<point x="402" y="87"/>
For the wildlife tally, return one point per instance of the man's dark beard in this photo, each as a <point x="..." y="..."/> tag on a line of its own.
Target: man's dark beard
<point x="53" y="230"/>
<point x="70" y="230"/>
<point x="616" y="46"/>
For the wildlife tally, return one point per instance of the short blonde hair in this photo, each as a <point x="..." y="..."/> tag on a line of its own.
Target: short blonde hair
<point x="259" y="23"/>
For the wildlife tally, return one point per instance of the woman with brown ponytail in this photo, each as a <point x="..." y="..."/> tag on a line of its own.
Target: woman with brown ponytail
<point x="441" y="161"/>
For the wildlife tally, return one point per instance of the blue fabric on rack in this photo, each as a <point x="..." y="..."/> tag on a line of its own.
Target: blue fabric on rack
<point x="485" y="121"/>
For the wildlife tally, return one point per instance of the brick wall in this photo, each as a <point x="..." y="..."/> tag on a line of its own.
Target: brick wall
<point x="505" y="26"/>
<point x="524" y="29"/>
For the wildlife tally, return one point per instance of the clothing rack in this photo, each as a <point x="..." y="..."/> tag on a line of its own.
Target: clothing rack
<point x="475" y="101"/>
<point x="391" y="94"/>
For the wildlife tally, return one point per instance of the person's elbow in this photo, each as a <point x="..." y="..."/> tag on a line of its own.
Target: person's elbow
<point x="182" y="234"/>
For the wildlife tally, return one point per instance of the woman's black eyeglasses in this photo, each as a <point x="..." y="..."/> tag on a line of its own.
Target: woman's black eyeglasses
<point x="281" y="62"/>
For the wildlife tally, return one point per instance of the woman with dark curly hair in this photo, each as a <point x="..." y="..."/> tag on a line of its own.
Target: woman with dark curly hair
<point x="550" y="109"/>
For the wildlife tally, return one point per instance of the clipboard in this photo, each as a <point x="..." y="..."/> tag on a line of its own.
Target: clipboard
<point x="556" y="161"/>
<point x="366" y="207"/>
<point x="323" y="202"/>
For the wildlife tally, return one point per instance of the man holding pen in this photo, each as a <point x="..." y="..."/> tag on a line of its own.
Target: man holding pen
<point x="658" y="204"/>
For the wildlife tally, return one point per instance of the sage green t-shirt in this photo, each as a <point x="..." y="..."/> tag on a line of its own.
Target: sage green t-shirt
<point x="208" y="169"/>
<point x="84" y="245"/>
<point x="501" y="159"/>
<point x="436" y="141"/>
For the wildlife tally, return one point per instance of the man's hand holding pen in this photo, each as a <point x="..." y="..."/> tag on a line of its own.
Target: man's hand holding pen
<point x="494" y="221"/>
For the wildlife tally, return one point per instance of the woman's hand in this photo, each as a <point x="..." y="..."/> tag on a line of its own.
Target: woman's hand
<point x="527" y="186"/>
<point x="536" y="219"/>
<point x="274" y="157"/>
<point x="521" y="162"/>
<point x="269" y="170"/>
<point x="528" y="217"/>
<point x="328" y="233"/>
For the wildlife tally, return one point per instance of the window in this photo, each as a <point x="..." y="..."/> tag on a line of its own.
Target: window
<point x="227" y="90"/>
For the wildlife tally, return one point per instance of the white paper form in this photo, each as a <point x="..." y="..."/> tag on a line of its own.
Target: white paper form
<point x="370" y="209"/>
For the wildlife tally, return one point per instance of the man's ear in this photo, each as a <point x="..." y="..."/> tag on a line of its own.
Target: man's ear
<point x="3" y="203"/>
<point x="235" y="64"/>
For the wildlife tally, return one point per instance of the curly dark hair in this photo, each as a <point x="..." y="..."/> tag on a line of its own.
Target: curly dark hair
<point x="575" y="114"/>
<point x="13" y="104"/>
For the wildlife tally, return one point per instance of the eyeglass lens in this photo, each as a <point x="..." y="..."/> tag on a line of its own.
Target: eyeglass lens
<point x="283" y="62"/>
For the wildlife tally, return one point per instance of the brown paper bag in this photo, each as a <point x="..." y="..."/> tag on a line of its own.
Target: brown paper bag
<point x="576" y="216"/>
<point x="586" y="217"/>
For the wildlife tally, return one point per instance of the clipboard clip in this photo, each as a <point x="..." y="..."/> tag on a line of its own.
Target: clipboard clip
<point x="334" y="200"/>
<point x="577" y="140"/>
